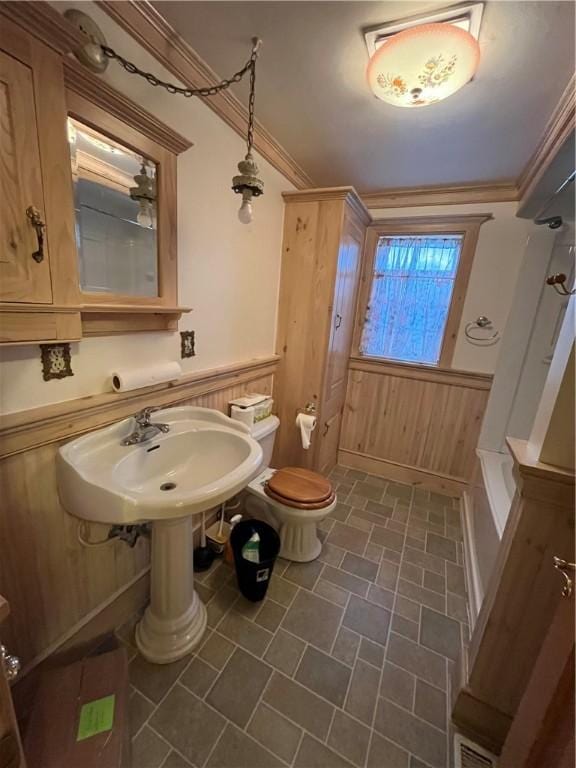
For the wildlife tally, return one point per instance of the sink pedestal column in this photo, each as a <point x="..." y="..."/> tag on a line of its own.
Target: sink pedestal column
<point x="175" y="620"/>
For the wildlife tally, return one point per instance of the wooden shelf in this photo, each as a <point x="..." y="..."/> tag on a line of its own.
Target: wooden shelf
<point x="39" y="323"/>
<point x="110" y="319"/>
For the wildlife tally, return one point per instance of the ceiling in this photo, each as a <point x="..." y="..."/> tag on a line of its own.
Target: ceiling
<point x="313" y="98"/>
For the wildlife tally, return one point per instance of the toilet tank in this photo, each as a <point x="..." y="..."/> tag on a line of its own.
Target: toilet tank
<point x="264" y="432"/>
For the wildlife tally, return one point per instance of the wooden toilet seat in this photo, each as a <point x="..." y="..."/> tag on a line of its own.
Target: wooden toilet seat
<point x="300" y="488"/>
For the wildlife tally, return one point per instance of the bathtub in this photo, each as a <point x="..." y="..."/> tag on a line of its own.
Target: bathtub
<point x="486" y="505"/>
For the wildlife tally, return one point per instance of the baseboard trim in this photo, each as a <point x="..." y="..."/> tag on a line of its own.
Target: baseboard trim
<point x="401" y="473"/>
<point x="481" y="722"/>
<point x="108" y="615"/>
<point x="475" y="592"/>
<point x="103" y="619"/>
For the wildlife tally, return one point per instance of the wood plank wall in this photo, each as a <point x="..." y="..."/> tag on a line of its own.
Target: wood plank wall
<point x="413" y="423"/>
<point x="54" y="584"/>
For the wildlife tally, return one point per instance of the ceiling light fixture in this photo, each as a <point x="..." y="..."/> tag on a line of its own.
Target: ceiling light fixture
<point x="95" y="54"/>
<point x="424" y="64"/>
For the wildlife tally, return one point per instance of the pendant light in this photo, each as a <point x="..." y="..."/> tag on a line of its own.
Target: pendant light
<point x="95" y="54"/>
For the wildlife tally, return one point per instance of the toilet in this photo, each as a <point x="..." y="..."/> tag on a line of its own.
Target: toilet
<point x="293" y="500"/>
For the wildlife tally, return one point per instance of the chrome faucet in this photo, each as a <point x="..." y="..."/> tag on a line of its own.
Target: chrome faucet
<point x="145" y="429"/>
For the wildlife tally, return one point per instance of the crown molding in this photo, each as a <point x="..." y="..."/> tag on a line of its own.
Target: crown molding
<point x="406" y="197"/>
<point x="442" y="223"/>
<point x="143" y="22"/>
<point x="558" y="129"/>
<point x="321" y="194"/>
<point x="45" y="23"/>
<point x="83" y="82"/>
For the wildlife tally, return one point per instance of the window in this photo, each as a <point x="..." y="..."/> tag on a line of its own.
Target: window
<point x="412" y="286"/>
<point x="414" y="292"/>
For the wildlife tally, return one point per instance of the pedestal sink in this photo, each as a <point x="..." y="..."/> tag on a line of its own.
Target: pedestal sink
<point x="204" y="459"/>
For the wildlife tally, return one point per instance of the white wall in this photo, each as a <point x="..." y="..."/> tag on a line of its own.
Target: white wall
<point x="509" y="413"/>
<point x="228" y="272"/>
<point x="497" y="262"/>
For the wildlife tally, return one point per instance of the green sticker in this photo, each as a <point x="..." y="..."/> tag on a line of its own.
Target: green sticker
<point x="96" y="717"/>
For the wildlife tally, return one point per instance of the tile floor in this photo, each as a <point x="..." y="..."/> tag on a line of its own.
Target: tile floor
<point x="346" y="661"/>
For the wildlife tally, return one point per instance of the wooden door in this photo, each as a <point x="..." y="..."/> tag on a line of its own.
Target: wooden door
<point x="345" y="291"/>
<point x="329" y="436"/>
<point x="11" y="755"/>
<point x="340" y="340"/>
<point x="23" y="278"/>
<point x="542" y="733"/>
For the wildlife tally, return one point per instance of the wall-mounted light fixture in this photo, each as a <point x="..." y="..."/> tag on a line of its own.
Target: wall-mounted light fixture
<point x="95" y="54"/>
<point x="417" y="62"/>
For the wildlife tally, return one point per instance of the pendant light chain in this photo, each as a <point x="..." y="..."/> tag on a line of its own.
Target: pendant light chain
<point x="252" y="98"/>
<point x="247" y="181"/>
<point x="211" y="90"/>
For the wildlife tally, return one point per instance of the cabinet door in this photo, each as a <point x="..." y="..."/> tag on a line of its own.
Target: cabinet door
<point x="329" y="438"/>
<point x="22" y="277"/>
<point x="11" y="755"/>
<point x="345" y="290"/>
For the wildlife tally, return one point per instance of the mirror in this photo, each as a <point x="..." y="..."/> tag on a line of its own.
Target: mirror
<point x="116" y="214"/>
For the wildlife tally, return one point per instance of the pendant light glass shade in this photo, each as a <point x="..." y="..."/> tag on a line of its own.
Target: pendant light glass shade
<point x="424" y="64"/>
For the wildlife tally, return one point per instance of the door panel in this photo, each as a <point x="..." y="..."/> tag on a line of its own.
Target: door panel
<point x="343" y="313"/>
<point x="22" y="278"/>
<point x="542" y="733"/>
<point x="329" y="436"/>
<point x="11" y="755"/>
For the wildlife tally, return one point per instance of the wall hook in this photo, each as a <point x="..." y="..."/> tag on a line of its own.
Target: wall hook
<point x="558" y="282"/>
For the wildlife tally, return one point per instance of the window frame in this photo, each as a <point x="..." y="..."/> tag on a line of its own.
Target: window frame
<point x="468" y="226"/>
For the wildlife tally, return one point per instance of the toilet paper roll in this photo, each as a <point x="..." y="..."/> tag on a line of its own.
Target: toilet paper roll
<point x="306" y="424"/>
<point x="125" y="380"/>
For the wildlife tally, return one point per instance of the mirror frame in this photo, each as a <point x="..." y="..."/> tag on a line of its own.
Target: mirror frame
<point x="95" y="103"/>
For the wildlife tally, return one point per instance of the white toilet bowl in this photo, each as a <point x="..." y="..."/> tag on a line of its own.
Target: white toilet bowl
<point x="297" y="528"/>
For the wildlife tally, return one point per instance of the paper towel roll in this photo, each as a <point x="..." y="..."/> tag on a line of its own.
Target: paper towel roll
<point x="306" y="424"/>
<point x="124" y="381"/>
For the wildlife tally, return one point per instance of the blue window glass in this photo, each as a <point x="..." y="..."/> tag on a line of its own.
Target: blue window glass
<point x="412" y="287"/>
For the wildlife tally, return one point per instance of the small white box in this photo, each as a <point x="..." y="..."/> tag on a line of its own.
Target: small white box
<point x="251" y="408"/>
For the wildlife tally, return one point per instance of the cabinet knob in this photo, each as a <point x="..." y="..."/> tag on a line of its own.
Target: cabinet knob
<point x="36" y="220"/>
<point x="338" y="321"/>
<point x="10" y="663"/>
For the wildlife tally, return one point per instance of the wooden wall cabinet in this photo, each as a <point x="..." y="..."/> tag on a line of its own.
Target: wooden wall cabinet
<point x="40" y="85"/>
<point x="11" y="754"/>
<point x="324" y="233"/>
<point x="38" y="274"/>
<point x="520" y="604"/>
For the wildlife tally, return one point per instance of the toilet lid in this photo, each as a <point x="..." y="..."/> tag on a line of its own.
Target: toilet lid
<point x="300" y="486"/>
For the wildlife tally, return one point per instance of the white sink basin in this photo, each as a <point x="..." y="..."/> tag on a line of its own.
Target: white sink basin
<point x="203" y="460"/>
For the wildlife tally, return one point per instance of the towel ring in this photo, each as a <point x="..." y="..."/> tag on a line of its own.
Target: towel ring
<point x="481" y="323"/>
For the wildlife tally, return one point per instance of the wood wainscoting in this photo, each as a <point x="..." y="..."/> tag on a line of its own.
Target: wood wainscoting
<point x="54" y="584"/>
<point x="413" y="424"/>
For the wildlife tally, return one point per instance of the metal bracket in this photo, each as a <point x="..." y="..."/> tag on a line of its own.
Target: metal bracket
<point x="91" y="53"/>
<point x="558" y="282"/>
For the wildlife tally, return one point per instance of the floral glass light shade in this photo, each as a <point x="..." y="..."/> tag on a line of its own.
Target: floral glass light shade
<point x="424" y="64"/>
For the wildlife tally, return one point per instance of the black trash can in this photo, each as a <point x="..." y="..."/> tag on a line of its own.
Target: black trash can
<point x="253" y="578"/>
